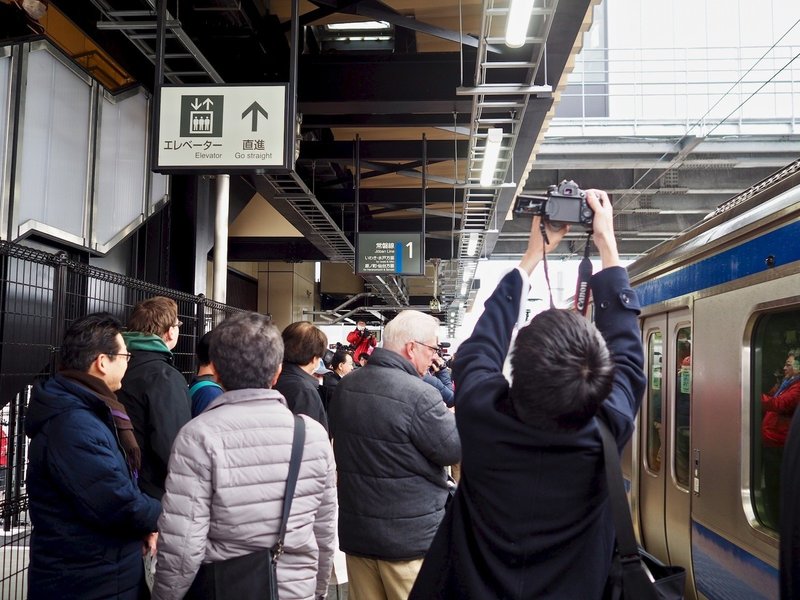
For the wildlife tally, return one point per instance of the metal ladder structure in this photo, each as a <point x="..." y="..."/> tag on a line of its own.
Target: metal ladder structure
<point x="500" y="105"/>
<point x="184" y="63"/>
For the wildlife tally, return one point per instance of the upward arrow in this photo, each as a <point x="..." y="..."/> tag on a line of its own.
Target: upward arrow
<point x="253" y="110"/>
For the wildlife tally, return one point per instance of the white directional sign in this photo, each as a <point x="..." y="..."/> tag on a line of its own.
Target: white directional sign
<point x="221" y="127"/>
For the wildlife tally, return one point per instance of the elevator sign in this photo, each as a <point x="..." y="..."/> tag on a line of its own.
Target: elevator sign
<point x="221" y="128"/>
<point x="389" y="254"/>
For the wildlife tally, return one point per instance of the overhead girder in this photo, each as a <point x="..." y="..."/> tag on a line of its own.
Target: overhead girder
<point x="401" y="197"/>
<point x="326" y="79"/>
<point x="383" y="150"/>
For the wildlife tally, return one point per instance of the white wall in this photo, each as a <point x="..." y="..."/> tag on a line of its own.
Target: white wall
<point x="680" y="59"/>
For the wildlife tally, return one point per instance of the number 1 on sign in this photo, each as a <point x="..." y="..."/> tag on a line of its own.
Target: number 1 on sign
<point x="410" y="246"/>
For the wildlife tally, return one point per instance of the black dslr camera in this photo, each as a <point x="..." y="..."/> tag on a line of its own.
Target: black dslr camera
<point x="565" y="204"/>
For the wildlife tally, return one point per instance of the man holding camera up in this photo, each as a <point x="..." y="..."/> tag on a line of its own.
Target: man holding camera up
<point x="361" y="340"/>
<point x="531" y="517"/>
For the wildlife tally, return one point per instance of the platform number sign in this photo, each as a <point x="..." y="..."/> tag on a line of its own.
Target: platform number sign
<point x="389" y="254"/>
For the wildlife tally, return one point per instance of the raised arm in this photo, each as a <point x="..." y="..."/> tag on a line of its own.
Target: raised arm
<point x="483" y="354"/>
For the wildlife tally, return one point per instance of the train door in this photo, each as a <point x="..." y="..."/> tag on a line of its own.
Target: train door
<point x="651" y="428"/>
<point x="665" y="434"/>
<point x="678" y="473"/>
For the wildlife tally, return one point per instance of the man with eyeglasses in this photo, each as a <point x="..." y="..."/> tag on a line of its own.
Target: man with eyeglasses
<point x="89" y="517"/>
<point x="153" y="391"/>
<point x="392" y="439"/>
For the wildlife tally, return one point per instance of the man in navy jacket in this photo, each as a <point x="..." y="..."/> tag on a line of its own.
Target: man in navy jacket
<point x="89" y="518"/>
<point x="531" y="518"/>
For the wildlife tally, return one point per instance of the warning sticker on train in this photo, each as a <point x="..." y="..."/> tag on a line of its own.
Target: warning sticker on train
<point x="220" y="128"/>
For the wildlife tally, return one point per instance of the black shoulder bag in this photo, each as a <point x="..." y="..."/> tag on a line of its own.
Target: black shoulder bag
<point x="252" y="576"/>
<point x="635" y="574"/>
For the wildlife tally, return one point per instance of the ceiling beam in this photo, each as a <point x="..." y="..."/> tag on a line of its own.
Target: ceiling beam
<point x="365" y="77"/>
<point x="384" y="150"/>
<point x="402" y="197"/>
<point x="418" y="114"/>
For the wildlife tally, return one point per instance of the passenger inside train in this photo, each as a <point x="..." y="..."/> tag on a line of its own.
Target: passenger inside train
<point x="778" y="406"/>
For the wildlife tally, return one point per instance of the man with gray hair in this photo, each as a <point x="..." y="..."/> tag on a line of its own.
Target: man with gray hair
<point x="228" y="470"/>
<point x="393" y="436"/>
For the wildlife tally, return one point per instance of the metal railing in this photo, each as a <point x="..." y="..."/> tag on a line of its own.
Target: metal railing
<point x="40" y="295"/>
<point x="706" y="85"/>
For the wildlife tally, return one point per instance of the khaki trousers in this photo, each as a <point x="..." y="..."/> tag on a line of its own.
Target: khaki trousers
<point x="370" y="579"/>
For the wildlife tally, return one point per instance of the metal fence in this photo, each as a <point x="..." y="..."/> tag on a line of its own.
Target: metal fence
<point x="40" y="295"/>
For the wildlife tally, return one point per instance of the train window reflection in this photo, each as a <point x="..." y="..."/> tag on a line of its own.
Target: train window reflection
<point x="654" y="359"/>
<point x="683" y="396"/>
<point x="776" y="394"/>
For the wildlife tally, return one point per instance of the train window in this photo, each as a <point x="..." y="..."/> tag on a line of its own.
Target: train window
<point x="776" y="394"/>
<point x="654" y="356"/>
<point x="683" y="396"/>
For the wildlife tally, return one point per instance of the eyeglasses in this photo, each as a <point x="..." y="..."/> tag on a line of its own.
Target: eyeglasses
<point x="125" y="354"/>
<point x="434" y="348"/>
<point x="178" y="324"/>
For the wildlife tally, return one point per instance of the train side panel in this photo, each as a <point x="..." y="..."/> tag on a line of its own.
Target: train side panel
<point x="734" y="543"/>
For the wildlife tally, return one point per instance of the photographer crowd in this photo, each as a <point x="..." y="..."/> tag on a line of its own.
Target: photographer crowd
<point x="530" y="508"/>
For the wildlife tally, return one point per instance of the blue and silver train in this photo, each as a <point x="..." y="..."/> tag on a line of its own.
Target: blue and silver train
<point x="721" y="313"/>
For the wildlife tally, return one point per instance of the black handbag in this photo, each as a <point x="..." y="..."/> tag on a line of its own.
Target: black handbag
<point x="634" y="574"/>
<point x="252" y="576"/>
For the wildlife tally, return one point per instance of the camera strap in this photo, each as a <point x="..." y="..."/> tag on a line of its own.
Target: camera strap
<point x="543" y="229"/>
<point x="582" y="289"/>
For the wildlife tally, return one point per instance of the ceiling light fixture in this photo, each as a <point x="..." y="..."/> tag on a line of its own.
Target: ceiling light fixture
<point x="519" y="17"/>
<point x="359" y="26"/>
<point x="494" y="139"/>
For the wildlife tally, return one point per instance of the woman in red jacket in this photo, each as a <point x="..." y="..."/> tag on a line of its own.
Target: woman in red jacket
<point x="778" y="406"/>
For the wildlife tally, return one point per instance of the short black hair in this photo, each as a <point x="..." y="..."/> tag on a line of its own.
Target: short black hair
<point x="561" y="371"/>
<point x="363" y="356"/>
<point x="87" y="338"/>
<point x="201" y="350"/>
<point x="302" y="342"/>
<point x="247" y="351"/>
<point x="339" y="357"/>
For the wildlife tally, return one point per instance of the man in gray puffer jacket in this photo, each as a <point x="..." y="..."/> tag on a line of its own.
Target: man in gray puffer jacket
<point x="228" y="470"/>
<point x="392" y="436"/>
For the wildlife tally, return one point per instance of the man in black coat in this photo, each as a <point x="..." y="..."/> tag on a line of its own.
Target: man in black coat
<point x="153" y="391"/>
<point x="392" y="438"/>
<point x="304" y="345"/>
<point x="531" y="518"/>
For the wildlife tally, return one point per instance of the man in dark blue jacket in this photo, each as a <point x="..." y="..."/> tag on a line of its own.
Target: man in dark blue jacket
<point x="531" y="518"/>
<point x="89" y="518"/>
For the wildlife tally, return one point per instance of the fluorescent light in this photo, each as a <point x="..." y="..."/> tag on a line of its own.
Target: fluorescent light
<point x="464" y="289"/>
<point x="365" y="38"/>
<point x="494" y="139"/>
<point x="359" y="26"/>
<point x="472" y="246"/>
<point x="519" y="18"/>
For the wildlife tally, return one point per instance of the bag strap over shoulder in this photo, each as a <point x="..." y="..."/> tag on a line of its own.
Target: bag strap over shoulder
<point x="298" y="442"/>
<point x="634" y="578"/>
